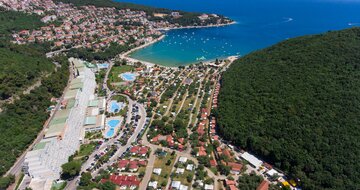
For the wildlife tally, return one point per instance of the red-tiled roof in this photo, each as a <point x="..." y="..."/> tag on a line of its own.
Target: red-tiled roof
<point x="213" y="163"/>
<point x="264" y="185"/>
<point x="235" y="166"/>
<point x="233" y="187"/>
<point x="202" y="151"/>
<point x="123" y="180"/>
<point x="229" y="182"/>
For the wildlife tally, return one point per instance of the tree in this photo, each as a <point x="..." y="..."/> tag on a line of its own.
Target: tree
<point x="251" y="181"/>
<point x="225" y="170"/>
<point x="85" y="179"/>
<point x="107" y="186"/>
<point x="286" y="105"/>
<point x="70" y="169"/>
<point x="6" y="181"/>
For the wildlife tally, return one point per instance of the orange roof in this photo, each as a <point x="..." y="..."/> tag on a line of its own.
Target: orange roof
<point x="229" y="182"/>
<point x="264" y="185"/>
<point x="202" y="151"/>
<point x="235" y="166"/>
<point x="233" y="187"/>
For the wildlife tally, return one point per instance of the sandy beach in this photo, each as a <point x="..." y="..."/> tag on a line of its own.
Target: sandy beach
<point x="150" y="64"/>
<point x="132" y="60"/>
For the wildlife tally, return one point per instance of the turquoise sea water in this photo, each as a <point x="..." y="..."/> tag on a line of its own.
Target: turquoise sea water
<point x="260" y="23"/>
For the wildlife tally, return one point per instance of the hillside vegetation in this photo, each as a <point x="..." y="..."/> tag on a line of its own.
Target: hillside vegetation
<point x="20" y="65"/>
<point x="297" y="106"/>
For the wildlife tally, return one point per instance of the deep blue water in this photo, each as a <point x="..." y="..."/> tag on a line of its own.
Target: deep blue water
<point x="260" y="23"/>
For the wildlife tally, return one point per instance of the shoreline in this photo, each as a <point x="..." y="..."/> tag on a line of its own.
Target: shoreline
<point x="191" y="27"/>
<point x="151" y="64"/>
<point x="133" y="60"/>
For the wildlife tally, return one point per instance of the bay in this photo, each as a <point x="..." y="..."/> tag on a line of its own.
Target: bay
<point x="260" y="23"/>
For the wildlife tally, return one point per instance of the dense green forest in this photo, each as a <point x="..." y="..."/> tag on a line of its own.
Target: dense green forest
<point x="188" y="18"/>
<point x="20" y="65"/>
<point x="90" y="55"/>
<point x="21" y="121"/>
<point x="297" y="106"/>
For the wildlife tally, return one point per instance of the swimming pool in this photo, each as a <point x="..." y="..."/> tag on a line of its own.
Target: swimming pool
<point x="114" y="107"/>
<point x="113" y="123"/>
<point x="112" y="126"/>
<point x="103" y="65"/>
<point x="128" y="76"/>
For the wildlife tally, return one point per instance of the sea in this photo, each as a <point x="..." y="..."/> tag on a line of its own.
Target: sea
<point x="259" y="24"/>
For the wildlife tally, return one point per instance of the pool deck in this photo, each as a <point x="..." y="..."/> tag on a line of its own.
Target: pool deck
<point x="134" y="75"/>
<point x="120" y="104"/>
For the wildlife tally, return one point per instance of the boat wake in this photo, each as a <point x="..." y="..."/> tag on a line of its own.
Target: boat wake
<point x="353" y="24"/>
<point x="288" y="20"/>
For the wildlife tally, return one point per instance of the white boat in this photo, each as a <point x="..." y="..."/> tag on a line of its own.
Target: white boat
<point x="200" y="58"/>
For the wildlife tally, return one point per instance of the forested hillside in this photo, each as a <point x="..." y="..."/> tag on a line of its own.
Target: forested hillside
<point x="297" y="105"/>
<point x="20" y="65"/>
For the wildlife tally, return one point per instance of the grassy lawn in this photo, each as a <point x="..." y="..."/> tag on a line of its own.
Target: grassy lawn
<point x="183" y="177"/>
<point x="85" y="150"/>
<point x="93" y="135"/>
<point x="120" y="98"/>
<point x="160" y="162"/>
<point x="58" y="186"/>
<point x="116" y="71"/>
<point x="187" y="102"/>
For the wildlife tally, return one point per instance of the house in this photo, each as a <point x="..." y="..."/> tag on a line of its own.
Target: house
<point x="230" y="184"/>
<point x="253" y="161"/>
<point x="175" y="185"/>
<point x="155" y="139"/>
<point x="182" y="159"/>
<point x="124" y="181"/>
<point x="180" y="171"/>
<point x="264" y="185"/>
<point x="190" y="167"/>
<point x="183" y="187"/>
<point x="200" y="130"/>
<point x="157" y="171"/>
<point x="175" y="14"/>
<point x="213" y="163"/>
<point x="139" y="150"/>
<point x="272" y="173"/>
<point x="208" y="187"/>
<point x="170" y="140"/>
<point x="132" y="165"/>
<point x="235" y="168"/>
<point x="202" y="151"/>
<point x="226" y="152"/>
<point x="153" y="184"/>
<point x="122" y="164"/>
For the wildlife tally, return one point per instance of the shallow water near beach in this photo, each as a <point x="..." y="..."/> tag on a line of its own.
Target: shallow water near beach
<point x="260" y="23"/>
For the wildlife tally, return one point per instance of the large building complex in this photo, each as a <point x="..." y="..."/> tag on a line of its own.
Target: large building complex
<point x="63" y="136"/>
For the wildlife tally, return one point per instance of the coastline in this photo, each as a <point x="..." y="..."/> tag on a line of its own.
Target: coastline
<point x="150" y="64"/>
<point x="190" y="27"/>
